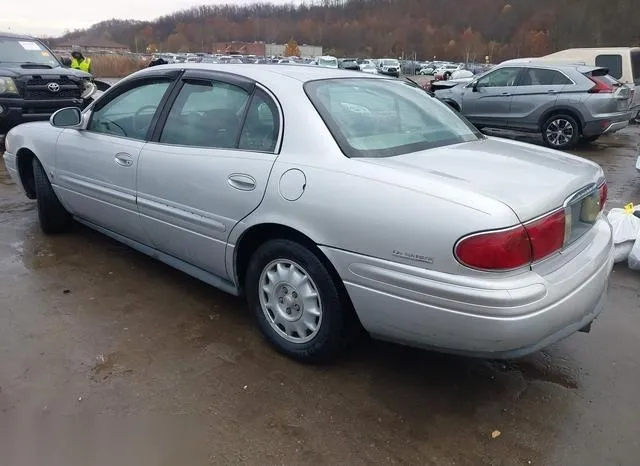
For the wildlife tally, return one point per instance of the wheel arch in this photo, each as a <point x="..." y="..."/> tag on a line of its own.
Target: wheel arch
<point x="256" y="235"/>
<point x="452" y="103"/>
<point x="24" y="163"/>
<point x="561" y="111"/>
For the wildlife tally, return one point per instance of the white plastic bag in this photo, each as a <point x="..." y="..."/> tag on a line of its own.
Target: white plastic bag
<point x="634" y="256"/>
<point x="626" y="228"/>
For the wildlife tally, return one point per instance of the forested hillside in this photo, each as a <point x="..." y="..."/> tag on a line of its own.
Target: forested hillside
<point x="454" y="29"/>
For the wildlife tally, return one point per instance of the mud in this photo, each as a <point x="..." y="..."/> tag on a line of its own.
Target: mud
<point x="108" y="355"/>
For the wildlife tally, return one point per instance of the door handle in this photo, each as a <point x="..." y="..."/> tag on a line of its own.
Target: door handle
<point x="551" y="91"/>
<point x="242" y="182"/>
<point x="506" y="93"/>
<point x="123" y="160"/>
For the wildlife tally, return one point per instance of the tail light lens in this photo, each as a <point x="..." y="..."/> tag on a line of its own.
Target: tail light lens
<point x="546" y="234"/>
<point x="604" y="192"/>
<point x="601" y="86"/>
<point x="514" y="247"/>
<point x="495" y="250"/>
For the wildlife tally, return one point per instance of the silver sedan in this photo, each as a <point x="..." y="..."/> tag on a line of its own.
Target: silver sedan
<point x="334" y="201"/>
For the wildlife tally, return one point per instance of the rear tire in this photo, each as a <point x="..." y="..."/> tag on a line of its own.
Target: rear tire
<point x="561" y="132"/>
<point x="52" y="215"/>
<point x="298" y="306"/>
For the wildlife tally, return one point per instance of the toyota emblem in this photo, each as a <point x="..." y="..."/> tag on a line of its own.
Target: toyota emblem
<point x="53" y="87"/>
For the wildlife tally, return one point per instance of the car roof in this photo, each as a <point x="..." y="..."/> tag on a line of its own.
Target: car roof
<point x="260" y="72"/>
<point x="10" y="35"/>
<point x="539" y="63"/>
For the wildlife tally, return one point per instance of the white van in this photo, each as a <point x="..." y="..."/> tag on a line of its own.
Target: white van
<point x="623" y="64"/>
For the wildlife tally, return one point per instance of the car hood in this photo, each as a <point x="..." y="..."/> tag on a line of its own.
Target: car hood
<point x="15" y="70"/>
<point x="531" y="180"/>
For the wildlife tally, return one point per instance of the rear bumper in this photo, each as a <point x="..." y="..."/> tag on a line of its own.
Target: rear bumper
<point x="478" y="316"/>
<point x="606" y="124"/>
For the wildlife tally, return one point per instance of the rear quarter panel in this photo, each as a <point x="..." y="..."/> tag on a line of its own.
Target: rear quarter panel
<point x="357" y="206"/>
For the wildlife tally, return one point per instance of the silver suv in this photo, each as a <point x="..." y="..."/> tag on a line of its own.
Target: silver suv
<point x="565" y="102"/>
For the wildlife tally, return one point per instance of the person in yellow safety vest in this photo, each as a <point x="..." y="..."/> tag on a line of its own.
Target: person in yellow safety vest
<point x="79" y="61"/>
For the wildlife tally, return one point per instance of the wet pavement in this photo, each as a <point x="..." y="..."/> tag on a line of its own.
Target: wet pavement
<point x="95" y="338"/>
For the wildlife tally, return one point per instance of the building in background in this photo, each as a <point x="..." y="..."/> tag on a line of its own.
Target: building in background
<point x="89" y="46"/>
<point x="240" y="48"/>
<point x="260" y="49"/>
<point x="277" y="50"/>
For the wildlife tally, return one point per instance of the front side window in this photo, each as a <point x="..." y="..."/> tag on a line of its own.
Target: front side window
<point x="384" y="118"/>
<point x="502" y="77"/>
<point x="542" y="77"/>
<point x="206" y="114"/>
<point x="613" y="62"/>
<point x="129" y="114"/>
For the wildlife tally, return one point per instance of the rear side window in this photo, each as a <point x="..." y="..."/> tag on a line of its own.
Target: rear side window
<point x="635" y="66"/>
<point x="542" y="77"/>
<point x="613" y="62"/>
<point x="385" y="118"/>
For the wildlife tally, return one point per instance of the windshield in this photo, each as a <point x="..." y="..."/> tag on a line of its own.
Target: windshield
<point x="384" y="118"/>
<point x="25" y="51"/>
<point x="328" y="62"/>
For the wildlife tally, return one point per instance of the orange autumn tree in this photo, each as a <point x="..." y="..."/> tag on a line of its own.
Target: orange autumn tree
<point x="292" y="49"/>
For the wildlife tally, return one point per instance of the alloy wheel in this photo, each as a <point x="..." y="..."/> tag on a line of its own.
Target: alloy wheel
<point x="559" y="132"/>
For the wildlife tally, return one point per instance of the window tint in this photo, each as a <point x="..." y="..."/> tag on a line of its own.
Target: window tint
<point x="542" y="77"/>
<point x="260" y="130"/>
<point x="384" y="118"/>
<point x="613" y="62"/>
<point x="206" y="114"/>
<point x="130" y="113"/>
<point x="502" y="77"/>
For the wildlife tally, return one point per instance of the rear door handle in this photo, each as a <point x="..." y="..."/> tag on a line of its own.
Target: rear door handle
<point x="506" y="93"/>
<point x="123" y="159"/>
<point x="551" y="91"/>
<point x="242" y="182"/>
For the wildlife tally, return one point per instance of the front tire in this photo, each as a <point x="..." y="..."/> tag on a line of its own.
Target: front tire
<point x="52" y="215"/>
<point x="561" y="132"/>
<point x="299" y="307"/>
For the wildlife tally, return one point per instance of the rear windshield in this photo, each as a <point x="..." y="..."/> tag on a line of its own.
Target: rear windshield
<point x="25" y="51"/>
<point x="328" y="61"/>
<point x="635" y="66"/>
<point x="384" y="118"/>
<point x="613" y="62"/>
<point x="390" y="63"/>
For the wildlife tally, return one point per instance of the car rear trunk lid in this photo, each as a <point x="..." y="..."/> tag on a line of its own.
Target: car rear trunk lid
<point x="530" y="180"/>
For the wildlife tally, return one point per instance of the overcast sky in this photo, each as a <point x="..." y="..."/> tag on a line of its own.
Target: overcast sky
<point x="46" y="17"/>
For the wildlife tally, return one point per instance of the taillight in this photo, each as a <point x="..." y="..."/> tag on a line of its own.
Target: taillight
<point x="601" y="86"/>
<point x="546" y="234"/>
<point x="604" y="192"/>
<point x="495" y="250"/>
<point x="513" y="247"/>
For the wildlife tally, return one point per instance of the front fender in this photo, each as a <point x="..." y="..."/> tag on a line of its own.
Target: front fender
<point x="33" y="139"/>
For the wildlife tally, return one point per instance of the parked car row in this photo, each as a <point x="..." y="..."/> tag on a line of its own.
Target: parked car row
<point x="565" y="103"/>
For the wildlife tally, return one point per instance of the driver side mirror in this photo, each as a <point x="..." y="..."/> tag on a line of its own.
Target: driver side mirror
<point x="70" y="117"/>
<point x="474" y="86"/>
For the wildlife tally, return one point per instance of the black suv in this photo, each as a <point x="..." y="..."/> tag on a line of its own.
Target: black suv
<point x="34" y="84"/>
